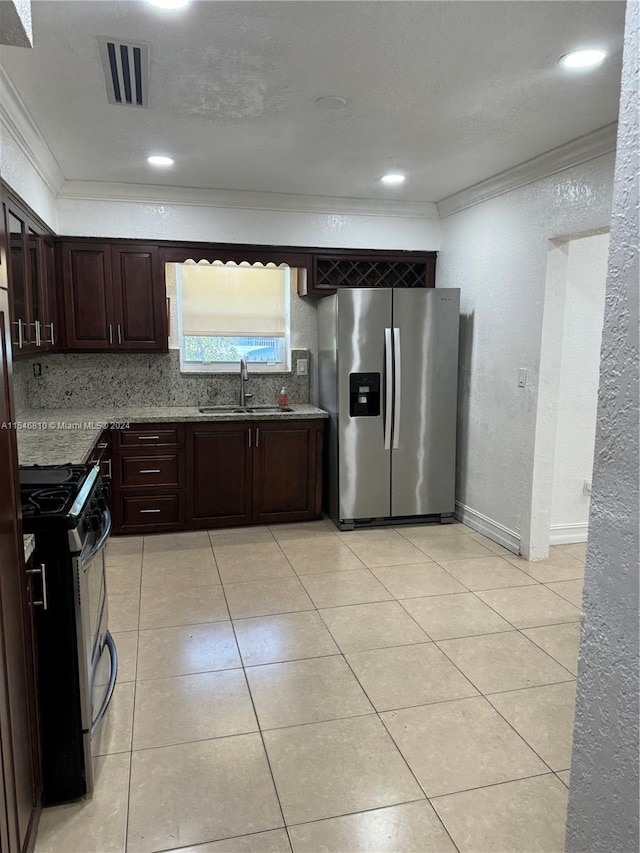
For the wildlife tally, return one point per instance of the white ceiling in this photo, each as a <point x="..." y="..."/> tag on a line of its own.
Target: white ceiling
<point x="448" y="92"/>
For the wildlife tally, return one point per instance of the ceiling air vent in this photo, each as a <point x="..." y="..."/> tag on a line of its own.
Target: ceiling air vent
<point x="126" y="71"/>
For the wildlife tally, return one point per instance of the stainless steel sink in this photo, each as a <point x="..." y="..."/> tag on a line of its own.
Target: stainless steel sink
<point x="246" y="410"/>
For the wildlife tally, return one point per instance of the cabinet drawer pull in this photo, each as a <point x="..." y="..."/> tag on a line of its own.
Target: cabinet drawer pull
<point x="148" y="510"/>
<point x="119" y="334"/>
<point x="148" y="437"/>
<point x="110" y="333"/>
<point x="249" y="438"/>
<point x="52" y="340"/>
<point x="41" y="571"/>
<point x="257" y="437"/>
<point x="149" y="471"/>
<point x="19" y="324"/>
<point x="37" y="327"/>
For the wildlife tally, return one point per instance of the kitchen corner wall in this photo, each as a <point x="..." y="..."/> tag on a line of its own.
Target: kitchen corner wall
<point x="115" y="380"/>
<point x="496" y="252"/>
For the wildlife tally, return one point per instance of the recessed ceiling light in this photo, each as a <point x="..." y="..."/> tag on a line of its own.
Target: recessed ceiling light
<point x="331" y="102"/>
<point x="393" y="178"/>
<point x="583" y="58"/>
<point x="160" y="160"/>
<point x="169" y="4"/>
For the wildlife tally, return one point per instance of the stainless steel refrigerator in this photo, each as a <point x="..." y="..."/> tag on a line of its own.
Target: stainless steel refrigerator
<point x="388" y="372"/>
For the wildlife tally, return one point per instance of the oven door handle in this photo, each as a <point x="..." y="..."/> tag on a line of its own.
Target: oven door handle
<point x="113" y="654"/>
<point x="101" y="541"/>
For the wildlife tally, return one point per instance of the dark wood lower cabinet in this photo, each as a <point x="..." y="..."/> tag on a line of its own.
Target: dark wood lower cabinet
<point x="200" y="475"/>
<point x="20" y="781"/>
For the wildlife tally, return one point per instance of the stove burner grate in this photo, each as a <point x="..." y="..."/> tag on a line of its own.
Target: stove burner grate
<point x="46" y="501"/>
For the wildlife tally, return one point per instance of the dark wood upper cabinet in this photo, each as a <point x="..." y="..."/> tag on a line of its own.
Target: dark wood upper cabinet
<point x="114" y="297"/>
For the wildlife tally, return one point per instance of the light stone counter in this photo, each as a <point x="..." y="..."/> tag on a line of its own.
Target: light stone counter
<point x="29" y="545"/>
<point x="53" y="437"/>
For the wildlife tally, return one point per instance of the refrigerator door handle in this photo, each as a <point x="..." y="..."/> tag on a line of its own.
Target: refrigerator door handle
<point x="397" y="364"/>
<point x="388" y="406"/>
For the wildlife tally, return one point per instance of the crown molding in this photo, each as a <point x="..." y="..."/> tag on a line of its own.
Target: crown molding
<point x="17" y="121"/>
<point x="243" y="199"/>
<point x="574" y="153"/>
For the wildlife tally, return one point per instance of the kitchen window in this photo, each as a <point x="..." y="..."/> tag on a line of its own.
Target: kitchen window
<point x="231" y="311"/>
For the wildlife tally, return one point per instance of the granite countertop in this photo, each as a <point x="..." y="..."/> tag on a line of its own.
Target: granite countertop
<point x="53" y="437"/>
<point x="29" y="545"/>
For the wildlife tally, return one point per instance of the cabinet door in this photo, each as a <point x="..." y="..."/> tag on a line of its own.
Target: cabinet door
<point x="18" y="267"/>
<point x="286" y="471"/>
<point x="139" y="298"/>
<point x="219" y="465"/>
<point x="19" y="750"/>
<point x="51" y="329"/>
<point x="88" y="302"/>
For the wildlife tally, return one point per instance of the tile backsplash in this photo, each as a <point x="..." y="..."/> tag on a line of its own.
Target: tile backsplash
<point x="85" y="380"/>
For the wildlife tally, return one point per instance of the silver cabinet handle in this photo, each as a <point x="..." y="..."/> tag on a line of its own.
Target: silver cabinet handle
<point x="43" y="572"/>
<point x="20" y="324"/>
<point x="397" y="362"/>
<point x="148" y="437"/>
<point x="52" y="340"/>
<point x="249" y="438"/>
<point x="148" y="510"/>
<point x="110" y="333"/>
<point x="36" y="324"/>
<point x="388" y="405"/>
<point x="149" y="471"/>
<point x="257" y="437"/>
<point x="119" y="334"/>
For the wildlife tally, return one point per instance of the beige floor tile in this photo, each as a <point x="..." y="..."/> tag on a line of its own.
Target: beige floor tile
<point x="390" y="549"/>
<point x="186" y="606"/>
<point x="124" y="550"/>
<point x="527" y="815"/>
<point x="408" y="675"/>
<point x="372" y="626"/>
<point x="560" y="641"/>
<point x="114" y="733"/>
<point x="290" y="636"/>
<point x="490" y="545"/>
<point x="530" y="606"/>
<point x="560" y="567"/>
<point x="240" y="536"/>
<point x="303" y="530"/>
<point x="127" y="646"/>
<point x="336" y="588"/>
<point x="306" y="691"/>
<point x="95" y="825"/>
<point x="564" y="776"/>
<point x="454" y="746"/>
<point x="417" y="580"/>
<point x="333" y="768"/>
<point x="192" y="707"/>
<point x="433" y="534"/>
<point x="175" y="576"/>
<point x="266" y="597"/>
<point x="543" y="716"/>
<point x="577" y="550"/>
<point x="408" y="828"/>
<point x="163" y="652"/>
<point x="571" y="590"/>
<point x="486" y="573"/>
<point x="273" y="841"/>
<point x="196" y="792"/>
<point x="124" y="578"/>
<point x="503" y="662"/>
<point x="162" y="542"/>
<point x="455" y="548"/>
<point x="180" y="561"/>
<point x="239" y="563"/>
<point x="318" y="555"/>
<point x="123" y="612"/>
<point x="461" y="615"/>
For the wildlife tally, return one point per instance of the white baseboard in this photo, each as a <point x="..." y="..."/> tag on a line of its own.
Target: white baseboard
<point x="509" y="539"/>
<point x="567" y="534"/>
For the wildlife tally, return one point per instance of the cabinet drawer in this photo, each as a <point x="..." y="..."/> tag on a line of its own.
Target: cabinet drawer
<point x="151" y="437"/>
<point x="150" y="511"/>
<point x="157" y="470"/>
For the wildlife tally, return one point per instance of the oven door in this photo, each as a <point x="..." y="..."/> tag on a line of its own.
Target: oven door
<point x="98" y="661"/>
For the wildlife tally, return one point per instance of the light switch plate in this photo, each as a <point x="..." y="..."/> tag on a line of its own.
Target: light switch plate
<point x="302" y="366"/>
<point x="522" y="377"/>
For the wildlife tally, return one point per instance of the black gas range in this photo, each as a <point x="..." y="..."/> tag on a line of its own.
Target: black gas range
<point x="66" y="508"/>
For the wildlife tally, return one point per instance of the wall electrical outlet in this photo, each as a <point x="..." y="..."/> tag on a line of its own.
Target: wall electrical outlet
<point x="522" y="377"/>
<point x="302" y="366"/>
<point x="37" y="368"/>
<point x="587" y="487"/>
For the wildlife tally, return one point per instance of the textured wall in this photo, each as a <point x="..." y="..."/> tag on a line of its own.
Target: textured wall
<point x="20" y="174"/>
<point x="603" y="800"/>
<point x="578" y="386"/>
<point x="496" y="252"/>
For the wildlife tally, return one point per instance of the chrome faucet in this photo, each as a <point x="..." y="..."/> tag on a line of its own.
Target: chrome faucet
<point x="244" y="377"/>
